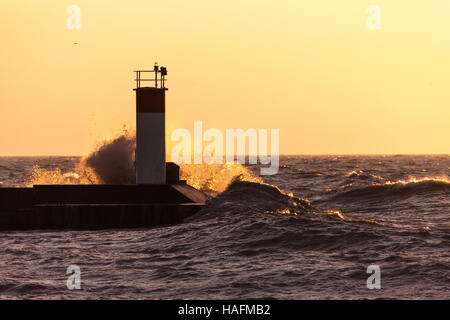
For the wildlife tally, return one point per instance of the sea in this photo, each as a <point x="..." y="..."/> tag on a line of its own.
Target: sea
<point x="318" y="229"/>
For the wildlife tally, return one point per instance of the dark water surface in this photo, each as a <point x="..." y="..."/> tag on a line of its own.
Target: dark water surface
<point x="255" y="241"/>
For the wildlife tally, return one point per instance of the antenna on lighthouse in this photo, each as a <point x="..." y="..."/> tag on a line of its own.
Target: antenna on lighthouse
<point x="156" y="69"/>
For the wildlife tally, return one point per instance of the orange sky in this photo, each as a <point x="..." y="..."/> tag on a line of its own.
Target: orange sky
<point x="310" y="68"/>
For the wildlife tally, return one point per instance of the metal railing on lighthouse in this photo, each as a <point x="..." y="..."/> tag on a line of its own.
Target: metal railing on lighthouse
<point x="158" y="82"/>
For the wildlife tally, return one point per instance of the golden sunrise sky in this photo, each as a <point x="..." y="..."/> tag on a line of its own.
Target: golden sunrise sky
<point x="310" y="68"/>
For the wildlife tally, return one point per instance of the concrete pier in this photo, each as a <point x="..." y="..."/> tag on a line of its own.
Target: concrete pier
<point x="94" y="207"/>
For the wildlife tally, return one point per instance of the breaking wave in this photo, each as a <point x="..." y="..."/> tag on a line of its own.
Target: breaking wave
<point x="245" y="197"/>
<point x="112" y="162"/>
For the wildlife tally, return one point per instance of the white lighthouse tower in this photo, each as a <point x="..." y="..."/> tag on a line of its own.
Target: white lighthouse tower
<point x="150" y="127"/>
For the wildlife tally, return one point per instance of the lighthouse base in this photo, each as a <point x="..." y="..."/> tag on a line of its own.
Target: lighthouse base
<point x="94" y="207"/>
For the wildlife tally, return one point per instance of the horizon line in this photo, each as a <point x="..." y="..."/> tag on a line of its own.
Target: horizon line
<point x="281" y="155"/>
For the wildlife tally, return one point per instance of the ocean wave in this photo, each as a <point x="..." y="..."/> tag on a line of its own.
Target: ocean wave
<point x="258" y="219"/>
<point x="309" y="174"/>
<point x="399" y="188"/>
<point x="364" y="175"/>
<point x="29" y="287"/>
<point x="246" y="198"/>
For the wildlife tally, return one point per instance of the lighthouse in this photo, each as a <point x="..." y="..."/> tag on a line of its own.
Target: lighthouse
<point x="150" y="156"/>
